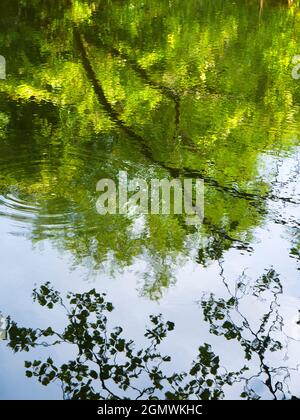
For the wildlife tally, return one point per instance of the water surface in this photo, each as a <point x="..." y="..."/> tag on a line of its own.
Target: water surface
<point x="158" y="89"/>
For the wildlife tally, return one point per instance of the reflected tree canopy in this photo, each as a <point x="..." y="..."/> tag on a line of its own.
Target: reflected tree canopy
<point x="158" y="89"/>
<point x="107" y="365"/>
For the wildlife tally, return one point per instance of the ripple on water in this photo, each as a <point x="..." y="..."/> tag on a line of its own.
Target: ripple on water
<point x="50" y="192"/>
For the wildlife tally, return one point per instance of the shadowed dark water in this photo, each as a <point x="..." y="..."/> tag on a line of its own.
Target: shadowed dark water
<point x="192" y="89"/>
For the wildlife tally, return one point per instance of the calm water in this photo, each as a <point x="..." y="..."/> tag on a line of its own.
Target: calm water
<point x="199" y="89"/>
